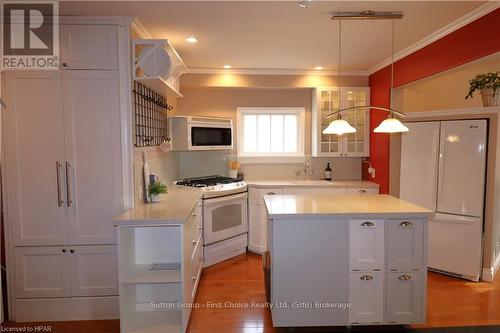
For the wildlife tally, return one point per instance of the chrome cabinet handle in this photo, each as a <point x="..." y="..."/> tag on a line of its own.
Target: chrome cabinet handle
<point x="367" y="224"/>
<point x="69" y="200"/>
<point x="405" y="277"/>
<point x="271" y="193"/>
<point x="194" y="278"/>
<point x="60" y="201"/>
<point x="366" y="277"/>
<point x="406" y="224"/>
<point x="362" y="191"/>
<point x="63" y="250"/>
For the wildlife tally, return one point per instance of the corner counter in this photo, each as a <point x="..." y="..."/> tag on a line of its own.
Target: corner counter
<point x="340" y="260"/>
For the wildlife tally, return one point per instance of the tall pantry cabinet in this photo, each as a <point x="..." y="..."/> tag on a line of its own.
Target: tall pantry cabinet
<point x="63" y="178"/>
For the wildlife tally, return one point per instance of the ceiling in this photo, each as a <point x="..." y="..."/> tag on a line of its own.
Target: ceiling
<point x="279" y="34"/>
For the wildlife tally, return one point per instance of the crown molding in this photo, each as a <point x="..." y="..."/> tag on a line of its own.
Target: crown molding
<point x="139" y="29"/>
<point x="272" y="71"/>
<point x="477" y="111"/>
<point x="91" y="20"/>
<point x="446" y="30"/>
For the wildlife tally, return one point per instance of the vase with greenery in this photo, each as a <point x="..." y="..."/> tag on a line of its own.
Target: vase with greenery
<point x="156" y="189"/>
<point x="488" y="85"/>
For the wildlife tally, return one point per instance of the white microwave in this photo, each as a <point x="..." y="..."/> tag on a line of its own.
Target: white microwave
<point x="192" y="133"/>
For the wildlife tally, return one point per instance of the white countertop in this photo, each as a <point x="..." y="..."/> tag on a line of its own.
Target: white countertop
<point x="355" y="206"/>
<point x="311" y="183"/>
<point x="173" y="209"/>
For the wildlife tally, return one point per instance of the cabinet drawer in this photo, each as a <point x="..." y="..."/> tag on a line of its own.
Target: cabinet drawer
<point x="404" y="297"/>
<point x="366" y="245"/>
<point x="405" y="244"/>
<point x="369" y="190"/>
<point x="255" y="195"/>
<point x="366" y="295"/>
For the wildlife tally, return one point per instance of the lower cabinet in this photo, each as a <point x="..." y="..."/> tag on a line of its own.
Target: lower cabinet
<point x="66" y="271"/>
<point x="404" y="297"/>
<point x="257" y="218"/>
<point x="366" y="295"/>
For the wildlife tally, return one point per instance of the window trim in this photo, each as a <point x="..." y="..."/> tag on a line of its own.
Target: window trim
<point x="299" y="157"/>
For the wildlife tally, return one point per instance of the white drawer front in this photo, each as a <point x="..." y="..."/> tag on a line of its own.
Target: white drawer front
<point x="366" y="295"/>
<point x="366" y="245"/>
<point x="404" y="297"/>
<point x="369" y="190"/>
<point x="405" y="244"/>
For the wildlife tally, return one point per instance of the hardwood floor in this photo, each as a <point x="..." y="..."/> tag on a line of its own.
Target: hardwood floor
<point x="239" y="281"/>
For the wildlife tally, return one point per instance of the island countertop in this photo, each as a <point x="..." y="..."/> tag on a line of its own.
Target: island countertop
<point x="311" y="183"/>
<point x="350" y="206"/>
<point x="174" y="208"/>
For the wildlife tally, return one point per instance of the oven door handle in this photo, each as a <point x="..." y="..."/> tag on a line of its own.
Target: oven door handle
<point x="228" y="198"/>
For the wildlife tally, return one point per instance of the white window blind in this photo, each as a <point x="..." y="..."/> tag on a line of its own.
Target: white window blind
<point x="270" y="132"/>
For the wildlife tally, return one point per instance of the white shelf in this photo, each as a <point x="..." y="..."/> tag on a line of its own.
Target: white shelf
<point x="161" y="86"/>
<point x="142" y="274"/>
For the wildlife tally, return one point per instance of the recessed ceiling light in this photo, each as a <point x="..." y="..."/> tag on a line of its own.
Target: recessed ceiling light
<point x="191" y="40"/>
<point x="227" y="66"/>
<point x="318" y="68"/>
<point x="305" y="4"/>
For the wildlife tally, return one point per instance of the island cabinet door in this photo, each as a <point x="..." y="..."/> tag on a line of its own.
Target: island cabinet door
<point x="366" y="295"/>
<point x="405" y="245"/>
<point x="366" y="249"/>
<point x="404" y="297"/>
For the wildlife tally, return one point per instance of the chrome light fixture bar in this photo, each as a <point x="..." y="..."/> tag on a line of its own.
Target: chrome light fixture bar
<point x="367" y="15"/>
<point x="391" y="124"/>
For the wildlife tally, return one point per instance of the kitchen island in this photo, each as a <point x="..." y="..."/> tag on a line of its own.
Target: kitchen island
<point x="346" y="260"/>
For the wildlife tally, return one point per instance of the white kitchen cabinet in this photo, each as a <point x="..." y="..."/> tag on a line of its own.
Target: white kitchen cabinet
<point x="313" y="191"/>
<point x="89" y="47"/>
<point x="93" y="155"/>
<point x="367" y="245"/>
<point x="404" y="297"/>
<point x="42" y="271"/>
<point x="257" y="218"/>
<point x="370" y="190"/>
<point x="33" y="134"/>
<point x="94" y="270"/>
<point x="366" y="296"/>
<point x="403" y="238"/>
<point x="329" y="99"/>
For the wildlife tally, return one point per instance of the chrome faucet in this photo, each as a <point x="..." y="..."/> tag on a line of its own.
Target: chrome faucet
<point x="307" y="171"/>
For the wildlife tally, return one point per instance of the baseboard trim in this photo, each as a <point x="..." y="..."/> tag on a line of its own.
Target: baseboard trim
<point x="489" y="273"/>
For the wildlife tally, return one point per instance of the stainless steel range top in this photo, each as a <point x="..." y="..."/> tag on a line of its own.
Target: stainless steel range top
<point x="214" y="186"/>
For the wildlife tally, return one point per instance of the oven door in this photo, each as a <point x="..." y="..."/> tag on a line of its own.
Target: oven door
<point x="224" y="217"/>
<point x="210" y="137"/>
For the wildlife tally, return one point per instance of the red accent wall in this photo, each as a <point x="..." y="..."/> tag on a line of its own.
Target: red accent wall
<point x="473" y="41"/>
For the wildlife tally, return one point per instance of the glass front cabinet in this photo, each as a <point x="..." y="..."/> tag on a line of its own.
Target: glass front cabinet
<point x="328" y="100"/>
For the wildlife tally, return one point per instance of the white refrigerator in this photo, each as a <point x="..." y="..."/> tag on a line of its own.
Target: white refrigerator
<point x="443" y="168"/>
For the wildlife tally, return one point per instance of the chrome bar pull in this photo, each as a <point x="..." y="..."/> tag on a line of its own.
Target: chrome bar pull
<point x="60" y="201"/>
<point x="367" y="224"/>
<point x="69" y="200"/>
<point x="406" y="224"/>
<point x="405" y="277"/>
<point x="366" y="277"/>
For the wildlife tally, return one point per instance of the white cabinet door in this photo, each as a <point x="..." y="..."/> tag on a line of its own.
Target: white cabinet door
<point x="358" y="143"/>
<point x="94" y="270"/>
<point x="405" y="244"/>
<point x="369" y="190"/>
<point x="33" y="125"/>
<point x="314" y="191"/>
<point x="366" y="245"/>
<point x="89" y="47"/>
<point x="325" y="101"/>
<point x="93" y="150"/>
<point x="42" y="271"/>
<point x="366" y="295"/>
<point x="256" y="224"/>
<point x="405" y="296"/>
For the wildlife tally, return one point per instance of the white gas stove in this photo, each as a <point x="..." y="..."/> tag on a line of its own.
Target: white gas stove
<point x="214" y="186"/>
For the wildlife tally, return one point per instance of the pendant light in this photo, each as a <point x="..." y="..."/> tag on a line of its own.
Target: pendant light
<point x="339" y="126"/>
<point x="391" y="124"/>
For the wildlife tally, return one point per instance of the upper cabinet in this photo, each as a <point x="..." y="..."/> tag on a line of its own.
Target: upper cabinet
<point x="329" y="99"/>
<point x="89" y="47"/>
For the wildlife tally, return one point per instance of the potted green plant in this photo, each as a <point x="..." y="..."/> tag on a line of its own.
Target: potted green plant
<point x="156" y="189"/>
<point x="488" y="85"/>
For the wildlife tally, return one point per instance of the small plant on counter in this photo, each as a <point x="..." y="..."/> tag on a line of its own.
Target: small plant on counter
<point x="489" y="86"/>
<point x="155" y="189"/>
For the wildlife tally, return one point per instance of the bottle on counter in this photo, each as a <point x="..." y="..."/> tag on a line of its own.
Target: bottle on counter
<point x="328" y="172"/>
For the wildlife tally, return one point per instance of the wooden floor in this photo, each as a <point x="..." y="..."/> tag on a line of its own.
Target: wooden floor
<point x="239" y="281"/>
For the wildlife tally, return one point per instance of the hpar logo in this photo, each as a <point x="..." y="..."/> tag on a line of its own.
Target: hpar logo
<point x="30" y="34"/>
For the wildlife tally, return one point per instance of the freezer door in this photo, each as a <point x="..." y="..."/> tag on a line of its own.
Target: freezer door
<point x="419" y="161"/>
<point x="462" y="161"/>
<point x="454" y="245"/>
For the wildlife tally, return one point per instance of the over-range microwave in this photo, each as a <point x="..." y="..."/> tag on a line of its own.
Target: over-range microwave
<point x="192" y="133"/>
